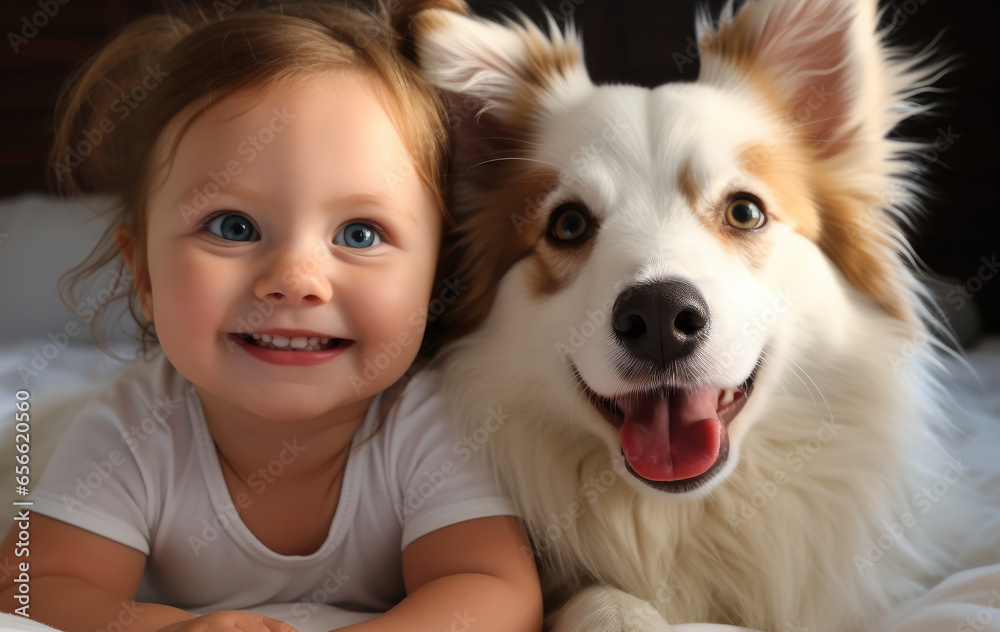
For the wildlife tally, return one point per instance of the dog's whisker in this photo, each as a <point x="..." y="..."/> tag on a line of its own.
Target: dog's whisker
<point x="537" y="147"/>
<point x="767" y="367"/>
<point x="818" y="390"/>
<point x="770" y="369"/>
<point x="817" y="121"/>
<point x="501" y="159"/>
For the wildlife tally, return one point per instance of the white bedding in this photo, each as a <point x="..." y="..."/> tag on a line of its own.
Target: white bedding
<point x="32" y="317"/>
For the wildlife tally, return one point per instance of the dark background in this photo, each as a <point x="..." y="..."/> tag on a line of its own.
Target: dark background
<point x="626" y="41"/>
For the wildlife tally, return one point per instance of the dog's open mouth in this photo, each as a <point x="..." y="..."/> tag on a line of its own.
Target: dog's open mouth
<point x="674" y="440"/>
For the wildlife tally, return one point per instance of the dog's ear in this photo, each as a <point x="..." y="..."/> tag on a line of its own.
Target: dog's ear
<point x="402" y="16"/>
<point x="836" y="91"/>
<point x="820" y="62"/>
<point x="493" y="75"/>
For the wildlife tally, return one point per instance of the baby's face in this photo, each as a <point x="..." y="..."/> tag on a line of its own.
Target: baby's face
<point x="291" y="250"/>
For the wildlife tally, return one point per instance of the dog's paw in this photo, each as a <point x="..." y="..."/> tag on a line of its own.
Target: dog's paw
<point x="603" y="609"/>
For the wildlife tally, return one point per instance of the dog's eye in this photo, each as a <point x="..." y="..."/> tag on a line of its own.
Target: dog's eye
<point x="568" y="223"/>
<point x="745" y="214"/>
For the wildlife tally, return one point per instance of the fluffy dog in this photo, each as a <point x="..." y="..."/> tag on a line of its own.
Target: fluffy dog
<point x="692" y="309"/>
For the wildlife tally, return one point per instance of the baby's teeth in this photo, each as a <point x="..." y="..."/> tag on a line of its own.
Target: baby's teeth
<point x="299" y="343"/>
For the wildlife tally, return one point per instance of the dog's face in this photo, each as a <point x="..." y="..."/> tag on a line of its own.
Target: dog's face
<point x="663" y="255"/>
<point x="652" y="264"/>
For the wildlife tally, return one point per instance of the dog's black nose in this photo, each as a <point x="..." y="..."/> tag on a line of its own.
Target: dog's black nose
<point x="660" y="322"/>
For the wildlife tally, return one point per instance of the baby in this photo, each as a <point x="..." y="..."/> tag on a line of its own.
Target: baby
<point x="281" y="211"/>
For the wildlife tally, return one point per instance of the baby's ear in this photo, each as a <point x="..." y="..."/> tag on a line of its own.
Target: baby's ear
<point x="124" y="237"/>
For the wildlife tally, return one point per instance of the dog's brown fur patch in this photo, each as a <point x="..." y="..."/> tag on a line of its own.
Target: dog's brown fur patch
<point x="497" y="230"/>
<point x="688" y="186"/>
<point x="855" y="239"/>
<point x="554" y="266"/>
<point x="825" y="205"/>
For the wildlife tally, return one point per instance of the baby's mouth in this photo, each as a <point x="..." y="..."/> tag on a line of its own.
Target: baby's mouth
<point x="284" y="343"/>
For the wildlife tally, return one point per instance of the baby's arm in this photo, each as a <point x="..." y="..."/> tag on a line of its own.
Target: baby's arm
<point x="470" y="575"/>
<point x="82" y="581"/>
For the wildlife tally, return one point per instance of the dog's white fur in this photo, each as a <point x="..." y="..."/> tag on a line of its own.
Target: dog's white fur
<point x="819" y="519"/>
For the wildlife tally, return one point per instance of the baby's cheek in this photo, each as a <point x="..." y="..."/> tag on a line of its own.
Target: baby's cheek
<point x="404" y="310"/>
<point x="188" y="308"/>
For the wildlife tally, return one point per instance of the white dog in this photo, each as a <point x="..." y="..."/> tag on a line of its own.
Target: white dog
<point x="691" y="308"/>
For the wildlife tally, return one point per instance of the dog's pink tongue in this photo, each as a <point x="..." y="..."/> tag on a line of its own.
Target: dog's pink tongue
<point x="671" y="438"/>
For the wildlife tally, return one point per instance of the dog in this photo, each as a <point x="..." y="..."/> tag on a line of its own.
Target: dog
<point x="693" y="310"/>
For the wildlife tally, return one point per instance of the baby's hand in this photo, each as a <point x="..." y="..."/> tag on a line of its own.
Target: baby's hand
<point x="229" y="621"/>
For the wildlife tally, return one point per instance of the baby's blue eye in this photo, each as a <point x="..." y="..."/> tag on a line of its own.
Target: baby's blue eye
<point x="232" y="227"/>
<point x="357" y="235"/>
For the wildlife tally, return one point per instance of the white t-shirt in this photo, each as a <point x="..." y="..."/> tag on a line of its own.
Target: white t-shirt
<point x="139" y="466"/>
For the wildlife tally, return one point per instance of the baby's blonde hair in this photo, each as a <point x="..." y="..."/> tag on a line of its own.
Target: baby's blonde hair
<point x="168" y="68"/>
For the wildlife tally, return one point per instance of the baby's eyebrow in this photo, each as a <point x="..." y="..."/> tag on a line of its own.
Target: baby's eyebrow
<point x="203" y="193"/>
<point x="376" y="199"/>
